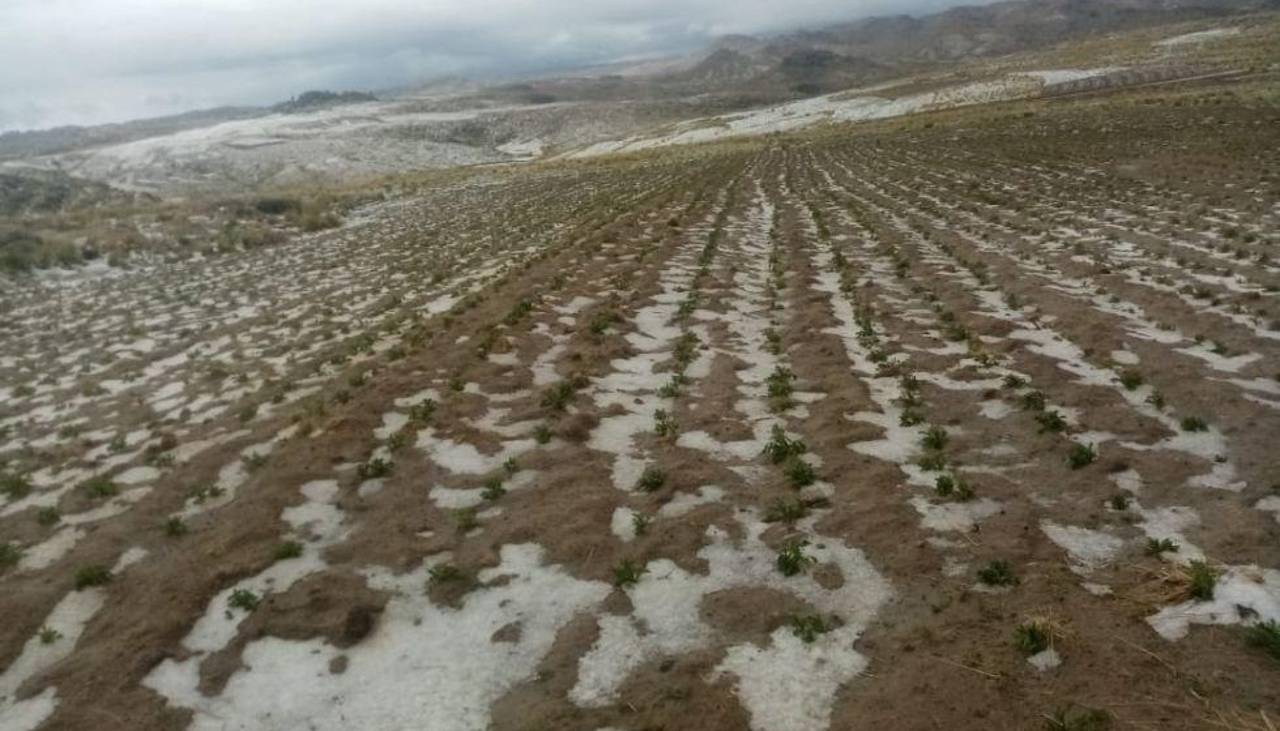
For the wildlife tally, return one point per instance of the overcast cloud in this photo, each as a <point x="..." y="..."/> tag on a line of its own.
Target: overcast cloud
<point x="94" y="61"/>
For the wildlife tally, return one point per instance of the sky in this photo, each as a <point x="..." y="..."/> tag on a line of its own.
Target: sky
<point x="95" y="61"/>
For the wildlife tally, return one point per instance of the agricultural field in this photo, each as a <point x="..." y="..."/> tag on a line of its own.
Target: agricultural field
<point x="965" y="419"/>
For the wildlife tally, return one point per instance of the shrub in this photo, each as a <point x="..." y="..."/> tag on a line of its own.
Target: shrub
<point x="1266" y="637"/>
<point x="444" y="573"/>
<point x="100" y="486"/>
<point x="175" y="527"/>
<point x="288" y="550"/>
<point x="785" y="511"/>
<point x="375" y="468"/>
<point x="1131" y="379"/>
<point x="1032" y="637"/>
<point x="1051" y="422"/>
<point x="651" y="479"/>
<point x="1157" y="546"/>
<point x="997" y="573"/>
<point x="1202" y="580"/>
<point x="665" y="425"/>
<point x="1081" y="455"/>
<point x="934" y="439"/>
<point x="243" y="599"/>
<point x="15" y="486"/>
<point x="92" y="575"/>
<point x="807" y="628"/>
<point x="10" y="555"/>
<point x="792" y="559"/>
<point x="1194" y="424"/>
<point x="627" y="573"/>
<point x="779" y="448"/>
<point x="493" y="489"/>
<point x="799" y="472"/>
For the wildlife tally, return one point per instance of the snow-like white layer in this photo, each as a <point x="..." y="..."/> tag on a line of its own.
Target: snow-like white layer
<point x="1089" y="549"/>
<point x="1062" y="76"/>
<point x="958" y="516"/>
<point x="423" y="667"/>
<point x="1045" y="660"/>
<point x="1249" y="587"/>
<point x="68" y="619"/>
<point x="1270" y="505"/>
<point x="787" y="684"/>
<point x="846" y="106"/>
<point x="1198" y="37"/>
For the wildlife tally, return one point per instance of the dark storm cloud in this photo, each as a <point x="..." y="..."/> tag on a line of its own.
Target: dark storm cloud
<point x="90" y="61"/>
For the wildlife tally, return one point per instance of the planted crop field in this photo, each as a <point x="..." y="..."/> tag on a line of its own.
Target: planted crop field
<point x="965" y="420"/>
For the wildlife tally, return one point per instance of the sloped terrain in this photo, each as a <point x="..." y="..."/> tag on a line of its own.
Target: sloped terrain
<point x="965" y="425"/>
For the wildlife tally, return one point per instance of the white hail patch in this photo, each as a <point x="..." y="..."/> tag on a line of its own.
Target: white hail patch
<point x="788" y="684"/>
<point x="1243" y="594"/>
<point x="424" y="667"/>
<point x="1089" y="549"/>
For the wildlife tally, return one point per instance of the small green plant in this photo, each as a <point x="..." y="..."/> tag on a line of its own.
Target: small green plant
<point x="445" y="573"/>
<point x="1202" y="580"/>
<point x="558" y="396"/>
<point x="1131" y="379"/>
<point x="665" y="425"/>
<point x="792" y="559"/>
<point x="944" y="485"/>
<point x="809" y="627"/>
<point x="640" y="522"/>
<point x="15" y="486"/>
<point x="910" y="417"/>
<point x="934" y="439"/>
<point x="1081" y="455"/>
<point x="511" y="466"/>
<point x="1266" y="637"/>
<point x="175" y="527"/>
<point x="627" y="573"/>
<point x="1032" y="637"/>
<point x="1033" y="401"/>
<point x="493" y="489"/>
<point x="288" y="550"/>
<point x="375" y="468"/>
<point x="799" y="472"/>
<point x="1157" y="546"/>
<point x="932" y="462"/>
<point x="92" y="575"/>
<point x="1194" y="424"/>
<point x="465" y="520"/>
<point x="48" y="516"/>
<point x="786" y="511"/>
<point x="243" y="599"/>
<point x="100" y="487"/>
<point x="1119" y="502"/>
<point x="49" y="635"/>
<point x="779" y="448"/>
<point x="1156" y="399"/>
<point x="651" y="479"/>
<point x="254" y="461"/>
<point x="542" y="434"/>
<point x="10" y="555"/>
<point x="1051" y="422"/>
<point x="780" y="384"/>
<point x="420" y="414"/>
<point x="997" y="573"/>
<point x="1013" y="382"/>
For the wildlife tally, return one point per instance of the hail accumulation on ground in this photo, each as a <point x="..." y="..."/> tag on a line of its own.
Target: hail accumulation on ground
<point x="797" y="433"/>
